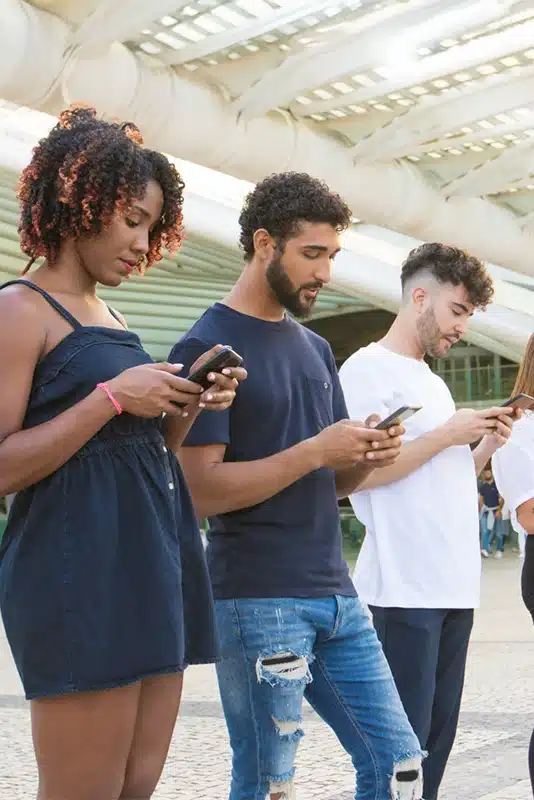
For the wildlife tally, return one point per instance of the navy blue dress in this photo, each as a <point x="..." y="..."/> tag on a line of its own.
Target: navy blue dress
<point x="103" y="579"/>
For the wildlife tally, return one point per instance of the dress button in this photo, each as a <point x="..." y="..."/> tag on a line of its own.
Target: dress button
<point x="171" y="485"/>
<point x="326" y="386"/>
<point x="164" y="449"/>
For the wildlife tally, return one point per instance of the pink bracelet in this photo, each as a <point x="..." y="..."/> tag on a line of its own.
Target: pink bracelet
<point x="105" y="388"/>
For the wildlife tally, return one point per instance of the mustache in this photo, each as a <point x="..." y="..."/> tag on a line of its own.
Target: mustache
<point x="316" y="285"/>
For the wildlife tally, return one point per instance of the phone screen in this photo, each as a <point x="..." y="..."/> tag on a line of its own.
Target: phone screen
<point x="224" y="358"/>
<point x="398" y="416"/>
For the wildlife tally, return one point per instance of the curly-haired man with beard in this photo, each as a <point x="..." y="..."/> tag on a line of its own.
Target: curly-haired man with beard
<point x="268" y="474"/>
<point x="419" y="569"/>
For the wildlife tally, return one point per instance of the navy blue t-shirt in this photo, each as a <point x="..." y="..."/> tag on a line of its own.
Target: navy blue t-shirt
<point x="290" y="545"/>
<point x="490" y="494"/>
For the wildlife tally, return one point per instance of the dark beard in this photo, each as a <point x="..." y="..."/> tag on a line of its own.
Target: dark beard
<point x="284" y="291"/>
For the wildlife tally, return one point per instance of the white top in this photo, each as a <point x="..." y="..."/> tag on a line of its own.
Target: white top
<point x="421" y="549"/>
<point x="513" y="468"/>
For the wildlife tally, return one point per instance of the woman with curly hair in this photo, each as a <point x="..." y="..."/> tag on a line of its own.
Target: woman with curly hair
<point x="101" y="566"/>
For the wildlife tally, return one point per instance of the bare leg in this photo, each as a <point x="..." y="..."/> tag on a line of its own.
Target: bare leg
<point x="159" y="702"/>
<point x="82" y="743"/>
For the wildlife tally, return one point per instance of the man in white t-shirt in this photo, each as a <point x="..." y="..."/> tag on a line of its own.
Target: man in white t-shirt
<point x="419" y="568"/>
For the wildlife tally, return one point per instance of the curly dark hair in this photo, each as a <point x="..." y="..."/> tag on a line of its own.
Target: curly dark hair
<point x="81" y="174"/>
<point x="280" y="202"/>
<point x="451" y="265"/>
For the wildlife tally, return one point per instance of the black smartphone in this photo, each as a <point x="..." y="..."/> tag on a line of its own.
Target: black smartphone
<point x="221" y="360"/>
<point x="522" y="401"/>
<point x="224" y="358"/>
<point x="398" y="416"/>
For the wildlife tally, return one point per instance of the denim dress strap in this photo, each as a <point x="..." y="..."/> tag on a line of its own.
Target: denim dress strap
<point x="116" y="316"/>
<point x="53" y="302"/>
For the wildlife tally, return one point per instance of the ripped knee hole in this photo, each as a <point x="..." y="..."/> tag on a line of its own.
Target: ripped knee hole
<point x="407" y="779"/>
<point x="283" y="665"/>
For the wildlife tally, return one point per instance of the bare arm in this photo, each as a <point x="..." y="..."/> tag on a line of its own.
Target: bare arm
<point x="483" y="452"/>
<point x="412" y="456"/>
<point x="350" y="480"/>
<point x="28" y="456"/>
<point x="218" y="397"/>
<point x="218" y="487"/>
<point x="176" y="428"/>
<point x="492" y="426"/>
<point x="525" y="516"/>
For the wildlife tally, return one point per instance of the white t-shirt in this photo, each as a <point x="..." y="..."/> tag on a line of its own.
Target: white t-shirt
<point x="421" y="549"/>
<point x="513" y="468"/>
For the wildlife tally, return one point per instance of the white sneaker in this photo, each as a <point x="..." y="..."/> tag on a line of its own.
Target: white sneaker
<point x="484" y="553"/>
<point x="498" y="554"/>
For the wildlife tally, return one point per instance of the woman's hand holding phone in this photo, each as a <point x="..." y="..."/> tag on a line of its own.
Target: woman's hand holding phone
<point x="220" y="385"/>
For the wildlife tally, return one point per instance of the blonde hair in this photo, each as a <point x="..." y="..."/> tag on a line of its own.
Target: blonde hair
<point x="524" y="383"/>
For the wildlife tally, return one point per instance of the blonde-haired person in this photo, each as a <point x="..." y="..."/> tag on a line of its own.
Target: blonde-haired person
<point x="513" y="470"/>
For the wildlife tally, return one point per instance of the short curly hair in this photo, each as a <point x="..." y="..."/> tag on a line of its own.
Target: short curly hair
<point x="450" y="265"/>
<point x="281" y="201"/>
<point x="81" y="174"/>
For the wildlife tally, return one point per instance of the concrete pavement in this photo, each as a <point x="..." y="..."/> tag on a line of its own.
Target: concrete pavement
<point x="490" y="755"/>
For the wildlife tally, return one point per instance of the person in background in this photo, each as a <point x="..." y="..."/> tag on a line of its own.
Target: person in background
<point x="419" y="567"/>
<point x="268" y="473"/>
<point x="513" y="469"/>
<point x="104" y="591"/>
<point x="491" y="522"/>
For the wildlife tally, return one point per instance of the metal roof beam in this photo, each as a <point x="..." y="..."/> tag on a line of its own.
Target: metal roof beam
<point x="495" y="175"/>
<point x="453" y="60"/>
<point x="121" y="84"/>
<point x="445" y="113"/>
<point x="462" y="139"/>
<point x="376" y="35"/>
<point x="258" y="27"/>
<point x="113" y="20"/>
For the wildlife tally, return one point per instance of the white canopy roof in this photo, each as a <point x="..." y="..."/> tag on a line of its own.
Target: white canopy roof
<point x="420" y="112"/>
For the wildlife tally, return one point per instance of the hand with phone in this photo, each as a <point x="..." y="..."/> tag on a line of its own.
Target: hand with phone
<point x="219" y="373"/>
<point x="520" y="402"/>
<point x="349" y="442"/>
<point x="394" y="419"/>
<point x="392" y="425"/>
<point x="468" y="425"/>
<point x="150" y="390"/>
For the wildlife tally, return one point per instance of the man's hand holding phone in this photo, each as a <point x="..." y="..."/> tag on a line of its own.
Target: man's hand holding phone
<point x="391" y="447"/>
<point x="350" y="442"/>
<point x="468" y="426"/>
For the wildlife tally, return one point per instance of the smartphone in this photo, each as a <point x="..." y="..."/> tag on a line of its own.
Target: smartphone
<point x="224" y="358"/>
<point x="522" y="401"/>
<point x="398" y="416"/>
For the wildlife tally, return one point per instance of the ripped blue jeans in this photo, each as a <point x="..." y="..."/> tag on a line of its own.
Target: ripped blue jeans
<point x="275" y="652"/>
